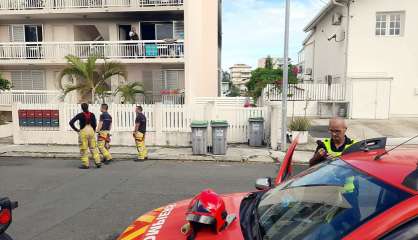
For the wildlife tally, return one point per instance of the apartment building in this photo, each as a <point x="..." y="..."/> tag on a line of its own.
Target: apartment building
<point x="277" y="62"/>
<point x="240" y="75"/>
<point x="178" y="51"/>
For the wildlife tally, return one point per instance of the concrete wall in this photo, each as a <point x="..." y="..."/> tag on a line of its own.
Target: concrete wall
<point x="396" y="57"/>
<point x="6" y="130"/>
<point x="323" y="56"/>
<point x="201" y="48"/>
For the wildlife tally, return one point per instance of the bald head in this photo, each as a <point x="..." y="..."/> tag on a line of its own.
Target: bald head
<point x="338" y="122"/>
<point x="337" y="129"/>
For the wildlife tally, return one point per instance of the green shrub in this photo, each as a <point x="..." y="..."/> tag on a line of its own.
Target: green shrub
<point x="300" y="124"/>
<point x="2" y="119"/>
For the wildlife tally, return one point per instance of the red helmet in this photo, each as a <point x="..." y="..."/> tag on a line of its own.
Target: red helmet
<point x="208" y="208"/>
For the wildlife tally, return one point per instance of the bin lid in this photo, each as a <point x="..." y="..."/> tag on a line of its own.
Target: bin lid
<point x="219" y="123"/>
<point x="199" y="124"/>
<point x="256" y="119"/>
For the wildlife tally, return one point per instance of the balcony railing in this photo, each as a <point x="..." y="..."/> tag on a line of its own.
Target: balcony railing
<point x="29" y="97"/>
<point x="7" y="98"/>
<point x="102" y="49"/>
<point x="307" y="92"/>
<point x="80" y="4"/>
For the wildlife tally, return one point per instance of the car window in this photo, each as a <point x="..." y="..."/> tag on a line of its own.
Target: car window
<point x="325" y="203"/>
<point x="407" y="231"/>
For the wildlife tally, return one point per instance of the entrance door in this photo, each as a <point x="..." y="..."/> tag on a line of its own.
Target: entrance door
<point x="33" y="33"/>
<point x="371" y="99"/>
<point x="124" y="32"/>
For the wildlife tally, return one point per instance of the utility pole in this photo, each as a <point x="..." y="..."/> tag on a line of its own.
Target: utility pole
<point x="285" y="77"/>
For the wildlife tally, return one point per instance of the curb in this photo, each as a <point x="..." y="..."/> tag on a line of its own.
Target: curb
<point x="130" y="157"/>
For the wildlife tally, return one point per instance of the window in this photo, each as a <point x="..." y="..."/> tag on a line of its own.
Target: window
<point x="172" y="79"/>
<point x="389" y="24"/>
<point x="327" y="202"/>
<point x="28" y="80"/>
<point x="407" y="231"/>
<point x="25" y="33"/>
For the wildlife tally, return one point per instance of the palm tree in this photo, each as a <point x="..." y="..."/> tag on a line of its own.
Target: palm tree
<point x="4" y="83"/>
<point x="90" y="77"/>
<point x="129" y="91"/>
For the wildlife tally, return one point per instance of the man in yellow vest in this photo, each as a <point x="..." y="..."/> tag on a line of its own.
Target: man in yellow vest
<point x="332" y="147"/>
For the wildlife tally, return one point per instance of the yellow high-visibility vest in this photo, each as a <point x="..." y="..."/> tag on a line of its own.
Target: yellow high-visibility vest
<point x="331" y="153"/>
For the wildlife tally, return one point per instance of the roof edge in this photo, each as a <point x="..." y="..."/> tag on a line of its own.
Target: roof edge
<point x="319" y="16"/>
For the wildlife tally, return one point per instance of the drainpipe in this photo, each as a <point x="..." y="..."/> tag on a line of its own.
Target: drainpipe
<point x="347" y="33"/>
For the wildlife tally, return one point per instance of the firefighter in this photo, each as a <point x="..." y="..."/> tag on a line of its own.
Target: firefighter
<point x="333" y="147"/>
<point x="103" y="135"/>
<point x="139" y="134"/>
<point x="86" y="134"/>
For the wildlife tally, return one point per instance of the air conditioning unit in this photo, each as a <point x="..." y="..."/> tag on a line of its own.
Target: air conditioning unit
<point x="337" y="19"/>
<point x="328" y="79"/>
<point x="308" y="71"/>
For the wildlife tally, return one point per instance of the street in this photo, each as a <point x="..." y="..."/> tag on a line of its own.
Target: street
<point x="59" y="201"/>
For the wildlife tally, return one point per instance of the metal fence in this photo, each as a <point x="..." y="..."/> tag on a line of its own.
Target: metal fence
<point x="307" y="92"/>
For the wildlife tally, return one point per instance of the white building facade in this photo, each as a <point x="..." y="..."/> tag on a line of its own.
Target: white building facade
<point x="178" y="51"/>
<point x="370" y="46"/>
<point x="240" y="75"/>
<point x="277" y="62"/>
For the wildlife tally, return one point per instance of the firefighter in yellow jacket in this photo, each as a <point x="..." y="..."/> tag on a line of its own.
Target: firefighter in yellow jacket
<point x="87" y="138"/>
<point x="333" y="147"/>
<point x="139" y="134"/>
<point x="103" y="133"/>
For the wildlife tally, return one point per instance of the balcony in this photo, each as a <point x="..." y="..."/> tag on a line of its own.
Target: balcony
<point x="123" y="51"/>
<point x="63" y="6"/>
<point x="7" y="98"/>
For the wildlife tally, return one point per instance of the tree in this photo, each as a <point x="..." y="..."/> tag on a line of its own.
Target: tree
<point x="226" y="76"/>
<point x="129" y="91"/>
<point x="234" y="92"/>
<point x="269" y="63"/>
<point x="261" y="77"/>
<point x="4" y="83"/>
<point x="90" y="77"/>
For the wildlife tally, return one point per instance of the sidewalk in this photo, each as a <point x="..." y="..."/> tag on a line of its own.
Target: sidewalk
<point x="236" y="153"/>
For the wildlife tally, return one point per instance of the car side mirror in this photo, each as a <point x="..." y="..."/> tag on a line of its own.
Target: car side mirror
<point x="263" y="183"/>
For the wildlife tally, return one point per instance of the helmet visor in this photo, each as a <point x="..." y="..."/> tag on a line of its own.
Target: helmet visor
<point x="200" y="219"/>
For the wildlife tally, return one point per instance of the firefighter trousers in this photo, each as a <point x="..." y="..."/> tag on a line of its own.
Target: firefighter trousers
<point x="87" y="140"/>
<point x="102" y="139"/>
<point x="140" y="145"/>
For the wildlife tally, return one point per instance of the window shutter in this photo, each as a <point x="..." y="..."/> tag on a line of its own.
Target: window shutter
<point x="172" y="78"/>
<point x="28" y="80"/>
<point x="17" y="33"/>
<point x="178" y="29"/>
<point x="164" y="31"/>
<point x="16" y="78"/>
<point x="38" y="80"/>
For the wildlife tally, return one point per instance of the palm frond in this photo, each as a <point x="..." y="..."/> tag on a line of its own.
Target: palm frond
<point x="111" y="69"/>
<point x="130" y="90"/>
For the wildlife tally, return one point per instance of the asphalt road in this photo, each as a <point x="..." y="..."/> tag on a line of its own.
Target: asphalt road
<point x="59" y="201"/>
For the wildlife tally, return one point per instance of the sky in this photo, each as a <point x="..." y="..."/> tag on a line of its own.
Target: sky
<point x="253" y="29"/>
